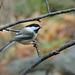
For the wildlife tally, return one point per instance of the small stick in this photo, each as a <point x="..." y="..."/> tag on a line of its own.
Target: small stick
<point x="36" y="46"/>
<point x="47" y="6"/>
<point x="12" y="30"/>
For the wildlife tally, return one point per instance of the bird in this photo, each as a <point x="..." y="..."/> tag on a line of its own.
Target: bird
<point x="25" y="36"/>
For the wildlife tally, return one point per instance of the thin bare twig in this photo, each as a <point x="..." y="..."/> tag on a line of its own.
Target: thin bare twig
<point x="12" y="30"/>
<point x="38" y="18"/>
<point x="36" y="46"/>
<point x="47" y="6"/>
<point x="55" y="52"/>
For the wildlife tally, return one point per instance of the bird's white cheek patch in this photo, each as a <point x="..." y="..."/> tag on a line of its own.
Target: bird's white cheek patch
<point x="34" y="28"/>
<point x="29" y="29"/>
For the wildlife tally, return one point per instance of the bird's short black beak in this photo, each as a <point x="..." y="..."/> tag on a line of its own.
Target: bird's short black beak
<point x="40" y="27"/>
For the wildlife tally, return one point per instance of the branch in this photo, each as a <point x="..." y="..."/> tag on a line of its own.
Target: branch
<point x="47" y="6"/>
<point x="55" y="52"/>
<point x="12" y="30"/>
<point x="38" y="18"/>
<point x="36" y="46"/>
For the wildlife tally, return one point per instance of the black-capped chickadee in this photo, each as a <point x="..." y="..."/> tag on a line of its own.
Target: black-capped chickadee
<point x="25" y="36"/>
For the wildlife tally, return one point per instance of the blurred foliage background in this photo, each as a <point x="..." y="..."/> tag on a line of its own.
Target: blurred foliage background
<point x="55" y="32"/>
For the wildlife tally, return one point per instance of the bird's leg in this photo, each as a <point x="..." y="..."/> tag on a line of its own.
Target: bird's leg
<point x="36" y="46"/>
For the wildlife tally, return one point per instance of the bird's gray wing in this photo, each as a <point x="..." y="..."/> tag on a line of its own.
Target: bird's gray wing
<point x="21" y="37"/>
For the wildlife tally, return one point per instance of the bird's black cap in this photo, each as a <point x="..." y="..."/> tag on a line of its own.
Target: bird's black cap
<point x="34" y="25"/>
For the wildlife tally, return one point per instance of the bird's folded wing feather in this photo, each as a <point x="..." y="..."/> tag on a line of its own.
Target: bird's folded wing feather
<point x="21" y="37"/>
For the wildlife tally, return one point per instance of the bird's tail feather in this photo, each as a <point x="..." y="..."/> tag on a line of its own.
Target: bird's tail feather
<point x="9" y="44"/>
